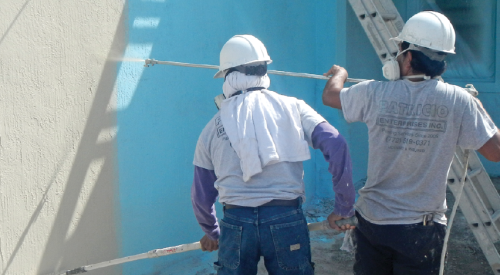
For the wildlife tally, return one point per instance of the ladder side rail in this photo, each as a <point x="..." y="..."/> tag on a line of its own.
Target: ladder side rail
<point x="478" y="228"/>
<point x="376" y="28"/>
<point x="482" y="215"/>
<point x="483" y="187"/>
<point x="484" y="180"/>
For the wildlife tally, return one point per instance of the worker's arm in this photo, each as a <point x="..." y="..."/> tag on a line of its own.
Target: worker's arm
<point x="203" y="197"/>
<point x="331" y="92"/>
<point x="491" y="149"/>
<point x="335" y="151"/>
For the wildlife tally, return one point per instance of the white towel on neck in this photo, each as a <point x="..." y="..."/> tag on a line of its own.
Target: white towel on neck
<point x="264" y="127"/>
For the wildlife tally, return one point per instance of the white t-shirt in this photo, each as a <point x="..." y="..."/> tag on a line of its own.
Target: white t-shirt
<point x="283" y="180"/>
<point x="413" y="128"/>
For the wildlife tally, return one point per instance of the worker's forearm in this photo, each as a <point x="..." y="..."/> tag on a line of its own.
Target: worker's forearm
<point x="491" y="149"/>
<point x="336" y="152"/>
<point x="203" y="197"/>
<point x="331" y="93"/>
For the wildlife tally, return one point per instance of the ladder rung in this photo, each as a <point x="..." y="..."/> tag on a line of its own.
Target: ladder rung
<point x="495" y="216"/>
<point x="389" y="16"/>
<point x="474" y="172"/>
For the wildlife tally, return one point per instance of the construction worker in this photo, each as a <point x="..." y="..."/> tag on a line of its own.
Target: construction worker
<point x="414" y="124"/>
<point x="250" y="155"/>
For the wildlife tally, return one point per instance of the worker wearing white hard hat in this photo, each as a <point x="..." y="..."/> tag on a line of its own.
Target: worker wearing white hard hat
<point x="250" y="156"/>
<point x="242" y="50"/>
<point x="415" y="121"/>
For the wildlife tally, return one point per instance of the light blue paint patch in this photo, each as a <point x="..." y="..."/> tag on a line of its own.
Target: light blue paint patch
<point x="146" y="22"/>
<point x="130" y="72"/>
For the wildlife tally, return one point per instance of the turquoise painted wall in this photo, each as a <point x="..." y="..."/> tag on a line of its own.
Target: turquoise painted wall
<point x="162" y="109"/>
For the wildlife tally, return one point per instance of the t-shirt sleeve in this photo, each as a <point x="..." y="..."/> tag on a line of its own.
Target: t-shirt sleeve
<point x="202" y="155"/>
<point x="309" y="119"/>
<point x="353" y="100"/>
<point x="476" y="128"/>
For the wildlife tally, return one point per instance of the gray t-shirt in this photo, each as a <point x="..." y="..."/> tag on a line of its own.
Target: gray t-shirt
<point x="413" y="128"/>
<point x="283" y="180"/>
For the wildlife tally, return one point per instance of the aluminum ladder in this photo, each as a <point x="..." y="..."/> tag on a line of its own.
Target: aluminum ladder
<point x="480" y="202"/>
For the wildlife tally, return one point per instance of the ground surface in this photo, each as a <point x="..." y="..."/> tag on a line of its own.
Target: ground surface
<point x="464" y="254"/>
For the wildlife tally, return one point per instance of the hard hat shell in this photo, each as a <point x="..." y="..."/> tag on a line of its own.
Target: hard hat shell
<point x="241" y="50"/>
<point x="429" y="29"/>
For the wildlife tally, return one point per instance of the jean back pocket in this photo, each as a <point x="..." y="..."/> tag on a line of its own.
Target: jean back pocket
<point x="229" y="245"/>
<point x="292" y="244"/>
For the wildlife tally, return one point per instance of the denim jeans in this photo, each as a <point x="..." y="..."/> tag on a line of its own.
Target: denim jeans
<point x="403" y="249"/>
<point x="278" y="233"/>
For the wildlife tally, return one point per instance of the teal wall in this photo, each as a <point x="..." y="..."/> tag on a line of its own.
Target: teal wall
<point x="162" y="109"/>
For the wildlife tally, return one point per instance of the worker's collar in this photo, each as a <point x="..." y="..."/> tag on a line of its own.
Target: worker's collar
<point x="416" y="76"/>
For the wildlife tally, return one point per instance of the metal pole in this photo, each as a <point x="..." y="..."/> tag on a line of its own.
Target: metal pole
<point x="152" y="62"/>
<point x="324" y="225"/>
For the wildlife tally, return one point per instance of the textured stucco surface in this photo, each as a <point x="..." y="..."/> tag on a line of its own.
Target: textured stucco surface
<point x="57" y="128"/>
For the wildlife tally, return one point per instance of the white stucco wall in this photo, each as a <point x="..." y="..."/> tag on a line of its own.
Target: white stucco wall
<point x="57" y="129"/>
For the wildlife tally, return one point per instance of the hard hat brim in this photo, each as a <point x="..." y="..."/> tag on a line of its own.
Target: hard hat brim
<point x="399" y="40"/>
<point x="219" y="74"/>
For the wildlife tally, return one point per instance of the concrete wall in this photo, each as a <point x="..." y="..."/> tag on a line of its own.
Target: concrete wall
<point x="58" y="180"/>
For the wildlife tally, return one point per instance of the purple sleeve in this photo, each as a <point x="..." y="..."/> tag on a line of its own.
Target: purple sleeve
<point x="203" y="196"/>
<point x="334" y="148"/>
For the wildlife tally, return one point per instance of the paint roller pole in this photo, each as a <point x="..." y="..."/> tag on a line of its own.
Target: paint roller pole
<point x="324" y="225"/>
<point x="152" y="62"/>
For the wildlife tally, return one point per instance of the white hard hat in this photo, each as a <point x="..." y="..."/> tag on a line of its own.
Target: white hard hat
<point x="429" y="29"/>
<point x="241" y="50"/>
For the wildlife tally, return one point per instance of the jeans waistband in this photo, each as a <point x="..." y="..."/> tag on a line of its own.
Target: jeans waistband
<point x="295" y="202"/>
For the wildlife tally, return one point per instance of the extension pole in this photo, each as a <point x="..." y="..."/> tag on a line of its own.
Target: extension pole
<point x="152" y="62"/>
<point x="324" y="225"/>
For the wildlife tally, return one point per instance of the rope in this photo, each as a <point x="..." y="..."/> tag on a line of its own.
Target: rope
<point x="455" y="206"/>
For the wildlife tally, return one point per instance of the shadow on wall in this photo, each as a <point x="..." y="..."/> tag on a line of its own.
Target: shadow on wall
<point x="14" y="21"/>
<point x="94" y="234"/>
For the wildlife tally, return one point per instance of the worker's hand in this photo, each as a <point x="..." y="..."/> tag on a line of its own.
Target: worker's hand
<point x="208" y="244"/>
<point x="337" y="72"/>
<point x="331" y="220"/>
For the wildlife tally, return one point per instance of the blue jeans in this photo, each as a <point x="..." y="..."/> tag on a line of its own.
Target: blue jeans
<point x="278" y="233"/>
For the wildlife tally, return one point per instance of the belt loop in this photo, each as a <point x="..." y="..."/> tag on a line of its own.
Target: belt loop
<point x="300" y="202"/>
